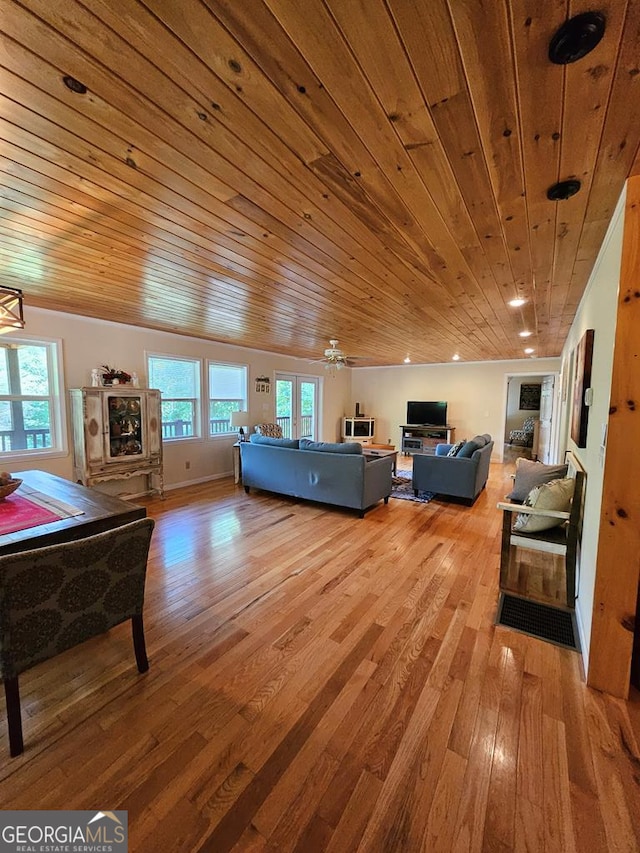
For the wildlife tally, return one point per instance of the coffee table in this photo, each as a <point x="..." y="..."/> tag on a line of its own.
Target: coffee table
<point x="371" y="453"/>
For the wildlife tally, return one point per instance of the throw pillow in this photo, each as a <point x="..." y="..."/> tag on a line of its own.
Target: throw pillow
<point x="468" y="449"/>
<point x="455" y="448"/>
<point x="530" y="474"/>
<point x="353" y="447"/>
<point x="292" y="443"/>
<point x="554" y="495"/>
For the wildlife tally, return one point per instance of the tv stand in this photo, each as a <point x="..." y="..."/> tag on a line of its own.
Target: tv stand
<point x="423" y="439"/>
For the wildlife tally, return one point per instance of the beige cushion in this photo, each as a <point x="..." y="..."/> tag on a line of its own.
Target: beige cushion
<point x="530" y="474"/>
<point x="555" y="495"/>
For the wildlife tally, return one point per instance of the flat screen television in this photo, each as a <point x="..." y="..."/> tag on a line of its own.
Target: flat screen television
<point x="427" y="413"/>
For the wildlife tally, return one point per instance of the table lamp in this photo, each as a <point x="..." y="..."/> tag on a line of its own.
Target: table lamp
<point x="240" y="419"/>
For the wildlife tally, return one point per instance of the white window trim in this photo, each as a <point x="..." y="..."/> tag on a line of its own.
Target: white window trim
<point x="205" y="413"/>
<point x="197" y="421"/>
<point x="59" y="397"/>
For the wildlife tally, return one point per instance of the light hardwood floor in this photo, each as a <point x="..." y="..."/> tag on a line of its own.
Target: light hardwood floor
<point x="324" y="683"/>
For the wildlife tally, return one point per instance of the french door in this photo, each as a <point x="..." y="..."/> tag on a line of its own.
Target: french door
<point x="297" y="405"/>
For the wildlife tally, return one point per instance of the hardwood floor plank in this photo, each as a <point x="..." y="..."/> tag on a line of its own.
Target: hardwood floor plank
<point x="326" y="693"/>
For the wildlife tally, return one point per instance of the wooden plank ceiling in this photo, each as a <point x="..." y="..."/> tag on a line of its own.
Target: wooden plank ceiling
<point x="275" y="173"/>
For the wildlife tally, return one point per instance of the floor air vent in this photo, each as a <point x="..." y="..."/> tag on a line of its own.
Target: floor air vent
<point x="538" y="620"/>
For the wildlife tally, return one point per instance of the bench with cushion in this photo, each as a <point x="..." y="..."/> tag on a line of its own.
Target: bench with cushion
<point x="544" y="513"/>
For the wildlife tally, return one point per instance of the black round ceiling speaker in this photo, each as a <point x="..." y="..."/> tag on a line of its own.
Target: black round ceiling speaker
<point x="576" y="37"/>
<point x="75" y="85"/>
<point x="563" y="190"/>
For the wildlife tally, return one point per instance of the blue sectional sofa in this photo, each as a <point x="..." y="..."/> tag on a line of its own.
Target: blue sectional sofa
<point x="462" y="476"/>
<point x="336" y="474"/>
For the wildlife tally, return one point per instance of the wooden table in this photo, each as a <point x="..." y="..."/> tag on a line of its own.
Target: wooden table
<point x="372" y="452"/>
<point x="100" y="512"/>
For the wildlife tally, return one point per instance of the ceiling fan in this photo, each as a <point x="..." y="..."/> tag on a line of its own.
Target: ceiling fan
<point x="336" y="358"/>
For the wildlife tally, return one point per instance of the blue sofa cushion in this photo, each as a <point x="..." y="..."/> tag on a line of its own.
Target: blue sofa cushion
<point x="469" y="448"/>
<point x="481" y="439"/>
<point x="331" y="446"/>
<point x="292" y="443"/>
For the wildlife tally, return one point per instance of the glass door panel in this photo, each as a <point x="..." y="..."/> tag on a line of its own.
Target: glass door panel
<point x="297" y="405"/>
<point x="125" y="437"/>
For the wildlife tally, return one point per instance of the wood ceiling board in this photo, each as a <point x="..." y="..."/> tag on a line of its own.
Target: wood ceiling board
<point x="540" y="87"/>
<point x="586" y="97"/>
<point x="488" y="68"/>
<point x="365" y="27"/>
<point x="245" y="125"/>
<point x="371" y="122"/>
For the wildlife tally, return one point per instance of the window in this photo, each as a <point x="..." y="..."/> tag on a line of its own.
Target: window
<point x="31" y="411"/>
<point x="179" y="381"/>
<point x="227" y="393"/>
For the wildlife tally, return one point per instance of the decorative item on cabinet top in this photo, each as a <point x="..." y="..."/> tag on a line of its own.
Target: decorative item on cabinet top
<point x="107" y="376"/>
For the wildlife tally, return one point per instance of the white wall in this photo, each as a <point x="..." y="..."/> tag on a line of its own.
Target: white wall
<point x="476" y="394"/>
<point x="597" y="311"/>
<point x="89" y="343"/>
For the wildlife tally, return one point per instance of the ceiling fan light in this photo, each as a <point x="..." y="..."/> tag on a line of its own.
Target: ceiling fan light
<point x="577" y="37"/>
<point x="407" y="360"/>
<point x="563" y="190"/>
<point x="455" y="357"/>
<point x="11" y="315"/>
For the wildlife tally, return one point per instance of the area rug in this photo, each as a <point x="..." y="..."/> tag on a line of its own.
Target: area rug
<point x="403" y="490"/>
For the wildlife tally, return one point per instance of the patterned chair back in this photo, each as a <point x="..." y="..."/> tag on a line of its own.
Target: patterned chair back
<point x="56" y="597"/>
<point x="272" y="430"/>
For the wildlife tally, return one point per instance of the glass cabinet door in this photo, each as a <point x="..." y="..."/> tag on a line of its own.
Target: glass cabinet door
<point x="125" y="436"/>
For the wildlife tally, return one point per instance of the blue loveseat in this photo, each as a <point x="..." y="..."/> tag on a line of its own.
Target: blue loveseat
<point x="462" y="476"/>
<point x="330" y="473"/>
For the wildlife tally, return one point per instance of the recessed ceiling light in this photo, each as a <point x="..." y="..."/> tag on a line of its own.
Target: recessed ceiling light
<point x="563" y="190"/>
<point x="576" y="37"/>
<point x="407" y="360"/>
<point x="516" y="303"/>
<point x="529" y="350"/>
<point x="525" y="334"/>
<point x="455" y="357"/>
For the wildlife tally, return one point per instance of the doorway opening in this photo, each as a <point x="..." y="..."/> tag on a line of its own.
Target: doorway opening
<point x="530" y="422"/>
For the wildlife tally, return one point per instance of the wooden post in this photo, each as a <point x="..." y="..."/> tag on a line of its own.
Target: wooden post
<point x="618" y="560"/>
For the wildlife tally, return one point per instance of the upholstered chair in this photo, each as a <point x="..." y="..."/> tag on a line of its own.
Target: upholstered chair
<point x="523" y="437"/>
<point x="56" y="597"/>
<point x="272" y="430"/>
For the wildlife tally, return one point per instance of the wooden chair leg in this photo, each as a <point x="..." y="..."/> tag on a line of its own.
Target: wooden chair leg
<point x="14" y="720"/>
<point x="139" y="646"/>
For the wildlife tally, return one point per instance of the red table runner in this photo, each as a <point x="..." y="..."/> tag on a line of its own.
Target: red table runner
<point x="19" y="513"/>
